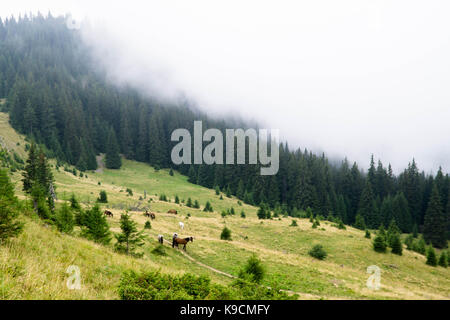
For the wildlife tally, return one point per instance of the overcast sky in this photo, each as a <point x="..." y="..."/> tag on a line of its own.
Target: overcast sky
<point x="350" y="78"/>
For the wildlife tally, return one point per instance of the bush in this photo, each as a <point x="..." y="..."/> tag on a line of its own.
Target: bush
<point x="159" y="250"/>
<point x="293" y="223"/>
<point x="189" y="203"/>
<point x="367" y="235"/>
<point x="242" y="214"/>
<point x="129" y="191"/>
<point x="226" y="234"/>
<point x="253" y="270"/>
<point x="157" y="286"/>
<point x="162" y="197"/>
<point x="103" y="198"/>
<point x="147" y="225"/>
<point x="318" y="252"/>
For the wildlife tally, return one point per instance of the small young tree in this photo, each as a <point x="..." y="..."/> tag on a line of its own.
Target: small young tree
<point x="379" y="244"/>
<point x="242" y="214"/>
<point x="9" y="226"/>
<point x="208" y="207"/>
<point x="431" y="257"/>
<point x="359" y="222"/>
<point x="397" y="247"/>
<point x="217" y="190"/>
<point x="189" y="203"/>
<point x="253" y="270"/>
<point x="147" y="225"/>
<point x="64" y="219"/>
<point x="96" y="227"/>
<point x="226" y="234"/>
<point x="443" y="260"/>
<point x="367" y="235"/>
<point x="129" y="239"/>
<point x="293" y="223"/>
<point x="422" y="246"/>
<point x="171" y="172"/>
<point x="177" y="199"/>
<point x="392" y="233"/>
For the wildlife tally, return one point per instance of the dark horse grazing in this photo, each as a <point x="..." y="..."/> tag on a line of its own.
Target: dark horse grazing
<point x="149" y="215"/>
<point x="176" y="241"/>
<point x="108" y="213"/>
<point x="172" y="211"/>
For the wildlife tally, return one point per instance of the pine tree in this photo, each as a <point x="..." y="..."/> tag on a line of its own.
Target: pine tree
<point x="367" y="207"/>
<point x="9" y="226"/>
<point x="208" y="207"/>
<point x="64" y="219"/>
<point x="192" y="175"/>
<point x="431" y="257"/>
<point x="112" y="157"/>
<point x="396" y="245"/>
<point x="240" y="189"/>
<point x="379" y="244"/>
<point x="96" y="228"/>
<point x="434" y="229"/>
<point x="359" y="222"/>
<point x="392" y="233"/>
<point x="129" y="239"/>
<point x="443" y="261"/>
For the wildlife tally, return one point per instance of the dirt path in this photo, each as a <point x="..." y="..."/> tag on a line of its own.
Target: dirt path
<point x="300" y="294"/>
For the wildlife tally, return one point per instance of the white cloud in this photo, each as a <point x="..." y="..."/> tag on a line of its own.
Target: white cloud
<point x="348" y="77"/>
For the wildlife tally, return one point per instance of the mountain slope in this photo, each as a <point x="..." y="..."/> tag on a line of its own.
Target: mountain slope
<point x="34" y="265"/>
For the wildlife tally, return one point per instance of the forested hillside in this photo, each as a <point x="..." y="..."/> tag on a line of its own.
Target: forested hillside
<point x="55" y="96"/>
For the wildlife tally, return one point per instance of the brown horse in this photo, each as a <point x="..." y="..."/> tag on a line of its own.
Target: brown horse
<point x="172" y="211"/>
<point x="150" y="215"/>
<point x="108" y="213"/>
<point x="176" y="241"/>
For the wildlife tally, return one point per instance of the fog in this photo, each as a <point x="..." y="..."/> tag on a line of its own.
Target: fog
<point x="351" y="78"/>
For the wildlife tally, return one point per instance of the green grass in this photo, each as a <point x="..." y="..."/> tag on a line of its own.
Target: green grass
<point x="33" y="266"/>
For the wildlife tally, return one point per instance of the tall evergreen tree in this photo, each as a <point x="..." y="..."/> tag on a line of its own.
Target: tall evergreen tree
<point x="9" y="225"/>
<point x="368" y="209"/>
<point x="112" y="157"/>
<point x="434" y="229"/>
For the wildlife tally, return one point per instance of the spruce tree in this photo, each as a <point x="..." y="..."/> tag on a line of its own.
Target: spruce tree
<point x="379" y="244"/>
<point x="112" y="157"/>
<point x="208" y="207"/>
<point x="359" y="222"/>
<point x="396" y="245"/>
<point x="9" y="226"/>
<point x="434" y="228"/>
<point x="64" y="219"/>
<point x="129" y="239"/>
<point x="96" y="228"/>
<point x="431" y="257"/>
<point x="443" y="260"/>
<point x="368" y="209"/>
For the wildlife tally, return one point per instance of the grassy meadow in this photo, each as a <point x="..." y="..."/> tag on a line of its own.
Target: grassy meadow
<point x="33" y="266"/>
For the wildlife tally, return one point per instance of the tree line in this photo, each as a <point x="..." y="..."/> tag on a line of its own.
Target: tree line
<point x="55" y="97"/>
